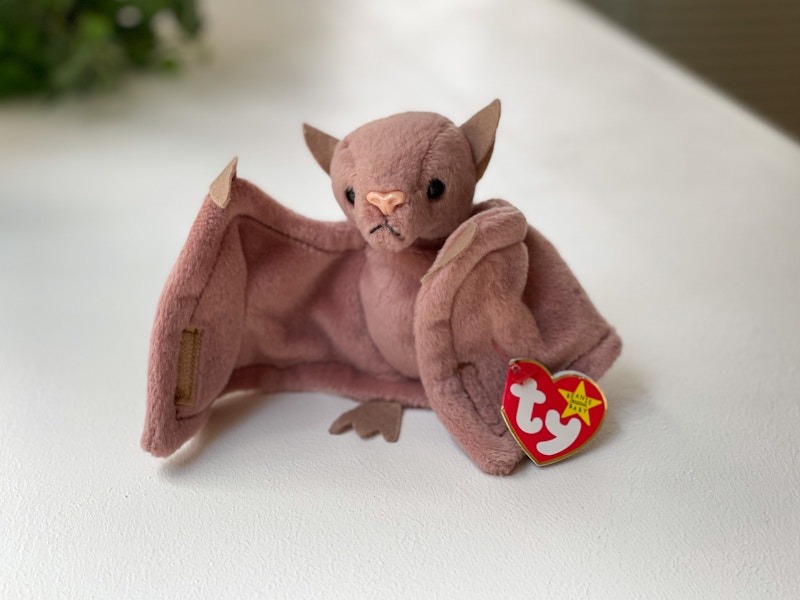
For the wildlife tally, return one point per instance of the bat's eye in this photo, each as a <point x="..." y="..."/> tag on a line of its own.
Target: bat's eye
<point x="435" y="189"/>
<point x="350" y="194"/>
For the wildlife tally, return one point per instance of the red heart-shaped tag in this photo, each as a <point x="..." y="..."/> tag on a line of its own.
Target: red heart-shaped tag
<point x="551" y="417"/>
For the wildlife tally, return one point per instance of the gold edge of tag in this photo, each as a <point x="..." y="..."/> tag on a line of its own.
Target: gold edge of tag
<point x="516" y="437"/>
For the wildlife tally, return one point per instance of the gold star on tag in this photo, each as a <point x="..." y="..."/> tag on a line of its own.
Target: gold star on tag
<point x="578" y="403"/>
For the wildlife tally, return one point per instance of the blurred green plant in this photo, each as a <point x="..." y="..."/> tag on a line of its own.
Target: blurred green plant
<point x="49" y="47"/>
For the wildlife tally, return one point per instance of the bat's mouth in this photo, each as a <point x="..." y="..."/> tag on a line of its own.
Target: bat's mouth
<point x="389" y="228"/>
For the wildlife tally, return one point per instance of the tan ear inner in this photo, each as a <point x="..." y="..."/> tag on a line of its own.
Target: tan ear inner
<point x="321" y="145"/>
<point x="220" y="188"/>
<point x="480" y="131"/>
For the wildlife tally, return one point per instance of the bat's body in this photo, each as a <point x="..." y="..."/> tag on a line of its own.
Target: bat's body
<point x="410" y="302"/>
<point x="389" y="275"/>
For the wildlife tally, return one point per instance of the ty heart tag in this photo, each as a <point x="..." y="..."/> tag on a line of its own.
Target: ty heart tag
<point x="551" y="418"/>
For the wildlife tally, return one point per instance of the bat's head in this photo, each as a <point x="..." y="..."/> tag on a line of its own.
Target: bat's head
<point x="409" y="178"/>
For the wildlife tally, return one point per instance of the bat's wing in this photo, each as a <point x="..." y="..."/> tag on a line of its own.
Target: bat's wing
<point x="260" y="298"/>
<point x="499" y="288"/>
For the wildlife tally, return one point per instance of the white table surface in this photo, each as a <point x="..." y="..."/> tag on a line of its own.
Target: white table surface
<point x="677" y="209"/>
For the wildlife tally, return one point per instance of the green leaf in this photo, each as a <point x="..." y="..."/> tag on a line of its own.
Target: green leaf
<point x="56" y="46"/>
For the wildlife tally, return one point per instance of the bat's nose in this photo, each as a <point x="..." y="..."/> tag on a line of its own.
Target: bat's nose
<point x="387" y="202"/>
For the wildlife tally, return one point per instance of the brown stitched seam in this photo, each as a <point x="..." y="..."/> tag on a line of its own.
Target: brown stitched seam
<point x="188" y="364"/>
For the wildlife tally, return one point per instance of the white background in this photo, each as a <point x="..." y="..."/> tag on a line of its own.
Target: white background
<point x="677" y="210"/>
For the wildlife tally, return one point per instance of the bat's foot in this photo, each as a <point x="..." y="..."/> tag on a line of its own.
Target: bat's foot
<point x="370" y="418"/>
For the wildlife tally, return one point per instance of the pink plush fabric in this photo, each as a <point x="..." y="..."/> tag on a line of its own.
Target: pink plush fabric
<point x="276" y="298"/>
<point x="409" y="302"/>
<point x="509" y="293"/>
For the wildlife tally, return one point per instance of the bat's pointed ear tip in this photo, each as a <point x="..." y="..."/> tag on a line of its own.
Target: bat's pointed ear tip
<point x="321" y="145"/>
<point x="480" y="131"/>
<point x="220" y="189"/>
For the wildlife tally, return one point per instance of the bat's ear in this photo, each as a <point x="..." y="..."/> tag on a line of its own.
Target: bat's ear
<point x="321" y="145"/>
<point x="480" y="130"/>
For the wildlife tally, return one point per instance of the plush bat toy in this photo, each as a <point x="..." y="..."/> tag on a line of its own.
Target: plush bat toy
<point x="410" y="302"/>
